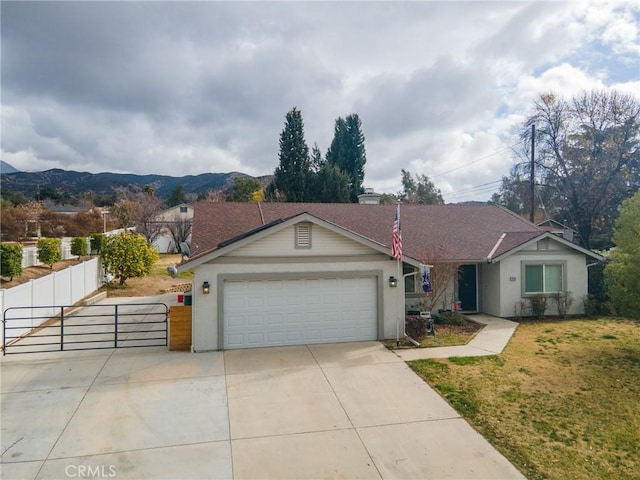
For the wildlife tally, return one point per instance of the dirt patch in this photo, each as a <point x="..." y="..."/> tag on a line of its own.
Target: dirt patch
<point x="446" y="336"/>
<point x="157" y="282"/>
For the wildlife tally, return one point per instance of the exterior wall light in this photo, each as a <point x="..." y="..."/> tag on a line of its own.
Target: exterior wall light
<point x="393" y="281"/>
<point x="205" y="288"/>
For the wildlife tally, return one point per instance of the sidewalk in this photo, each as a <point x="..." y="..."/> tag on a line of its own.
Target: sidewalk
<point x="491" y="340"/>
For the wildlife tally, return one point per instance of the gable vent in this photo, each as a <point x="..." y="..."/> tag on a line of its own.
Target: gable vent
<point x="303" y="235"/>
<point x="543" y="244"/>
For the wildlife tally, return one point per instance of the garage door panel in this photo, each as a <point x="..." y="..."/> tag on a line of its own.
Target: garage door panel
<point x="291" y="312"/>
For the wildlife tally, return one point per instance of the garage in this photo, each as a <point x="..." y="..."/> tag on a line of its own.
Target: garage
<point x="263" y="313"/>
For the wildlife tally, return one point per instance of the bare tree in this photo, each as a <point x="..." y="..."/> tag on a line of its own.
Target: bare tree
<point x="443" y="277"/>
<point x="180" y="228"/>
<point x="587" y="155"/>
<point x="141" y="210"/>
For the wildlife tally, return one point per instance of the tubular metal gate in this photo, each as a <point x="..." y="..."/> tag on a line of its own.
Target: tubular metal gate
<point x="91" y="327"/>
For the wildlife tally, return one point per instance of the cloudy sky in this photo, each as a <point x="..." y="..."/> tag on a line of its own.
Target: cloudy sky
<point x="179" y="88"/>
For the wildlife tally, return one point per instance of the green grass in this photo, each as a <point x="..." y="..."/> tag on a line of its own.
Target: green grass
<point x="562" y="401"/>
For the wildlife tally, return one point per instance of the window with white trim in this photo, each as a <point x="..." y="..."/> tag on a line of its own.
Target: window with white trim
<point x="303" y="235"/>
<point x="543" y="278"/>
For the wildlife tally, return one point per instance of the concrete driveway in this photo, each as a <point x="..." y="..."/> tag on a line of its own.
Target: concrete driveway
<point x="351" y="410"/>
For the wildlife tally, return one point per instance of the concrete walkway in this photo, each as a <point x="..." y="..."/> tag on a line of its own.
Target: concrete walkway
<point x="491" y="340"/>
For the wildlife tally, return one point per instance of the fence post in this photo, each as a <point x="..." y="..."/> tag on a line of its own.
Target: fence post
<point x="61" y="329"/>
<point x="115" y="333"/>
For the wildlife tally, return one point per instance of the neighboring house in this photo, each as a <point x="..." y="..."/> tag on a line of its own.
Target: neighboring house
<point x="560" y="230"/>
<point x="286" y="274"/>
<point x="177" y="223"/>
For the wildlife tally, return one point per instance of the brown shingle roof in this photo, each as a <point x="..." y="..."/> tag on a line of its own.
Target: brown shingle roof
<point x="429" y="232"/>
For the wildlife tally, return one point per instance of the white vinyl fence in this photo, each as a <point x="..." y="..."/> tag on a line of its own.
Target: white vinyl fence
<point x="65" y="287"/>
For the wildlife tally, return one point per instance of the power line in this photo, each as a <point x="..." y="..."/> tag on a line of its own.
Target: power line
<point x="475" y="161"/>
<point x="483" y="186"/>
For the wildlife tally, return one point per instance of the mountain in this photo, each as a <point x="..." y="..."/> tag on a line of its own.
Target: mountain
<point x="6" y="168"/>
<point x="67" y="184"/>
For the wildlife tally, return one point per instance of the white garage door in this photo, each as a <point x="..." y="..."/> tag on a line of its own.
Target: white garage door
<point x="294" y="312"/>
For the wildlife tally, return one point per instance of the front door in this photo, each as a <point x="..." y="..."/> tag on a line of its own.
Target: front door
<point x="468" y="288"/>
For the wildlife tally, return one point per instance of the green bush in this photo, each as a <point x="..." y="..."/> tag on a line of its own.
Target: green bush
<point x="622" y="273"/>
<point x="449" y="318"/>
<point x="128" y="255"/>
<point x="11" y="260"/>
<point x="79" y="246"/>
<point x="49" y="251"/>
<point x="97" y="241"/>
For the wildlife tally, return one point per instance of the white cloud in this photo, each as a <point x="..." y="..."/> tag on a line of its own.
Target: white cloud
<point x="191" y="87"/>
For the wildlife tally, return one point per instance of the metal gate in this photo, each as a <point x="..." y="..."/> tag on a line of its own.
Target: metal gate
<point x="91" y="327"/>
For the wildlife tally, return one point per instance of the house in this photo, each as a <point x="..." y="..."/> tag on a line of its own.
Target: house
<point x="286" y="274"/>
<point x="176" y="224"/>
<point x="559" y="229"/>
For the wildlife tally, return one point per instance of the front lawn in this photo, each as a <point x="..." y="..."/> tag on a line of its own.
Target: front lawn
<point x="562" y="400"/>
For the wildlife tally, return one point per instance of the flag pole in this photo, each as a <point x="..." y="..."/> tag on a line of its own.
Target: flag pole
<point x="400" y="299"/>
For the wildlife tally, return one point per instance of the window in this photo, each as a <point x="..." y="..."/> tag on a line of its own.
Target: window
<point x="543" y="278"/>
<point x="303" y="235"/>
<point x="409" y="280"/>
<point x="183" y="209"/>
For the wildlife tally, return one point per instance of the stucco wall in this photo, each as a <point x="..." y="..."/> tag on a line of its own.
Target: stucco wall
<point x="275" y="256"/>
<point x="490" y="288"/>
<point x="282" y="243"/>
<point x="511" y="277"/>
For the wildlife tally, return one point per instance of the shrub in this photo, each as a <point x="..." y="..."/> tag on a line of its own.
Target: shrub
<point x="79" y="246"/>
<point x="416" y="326"/>
<point x="449" y="318"/>
<point x="49" y="251"/>
<point x="97" y="240"/>
<point x="128" y="255"/>
<point x="520" y="309"/>
<point x="563" y="301"/>
<point x="538" y="305"/>
<point x="11" y="260"/>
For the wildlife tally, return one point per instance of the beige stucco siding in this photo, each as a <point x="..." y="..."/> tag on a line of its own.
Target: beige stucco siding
<point x="282" y="243"/>
<point x="511" y="281"/>
<point x="490" y="288"/>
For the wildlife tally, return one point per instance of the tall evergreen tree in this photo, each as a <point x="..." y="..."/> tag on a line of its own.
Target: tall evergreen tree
<point x="177" y="196"/>
<point x="291" y="178"/>
<point x="330" y="185"/>
<point x="347" y="152"/>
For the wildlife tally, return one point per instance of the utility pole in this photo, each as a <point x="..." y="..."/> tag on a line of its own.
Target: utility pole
<point x="532" y="185"/>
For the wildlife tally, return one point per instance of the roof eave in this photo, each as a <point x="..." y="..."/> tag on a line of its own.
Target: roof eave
<point x="540" y="237"/>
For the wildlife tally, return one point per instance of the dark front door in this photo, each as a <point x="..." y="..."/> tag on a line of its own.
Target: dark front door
<point x="468" y="288"/>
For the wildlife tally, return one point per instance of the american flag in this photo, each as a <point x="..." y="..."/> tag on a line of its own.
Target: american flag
<point x="396" y="241"/>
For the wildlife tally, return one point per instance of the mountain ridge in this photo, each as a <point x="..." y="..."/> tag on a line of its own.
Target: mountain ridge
<point x="69" y="183"/>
